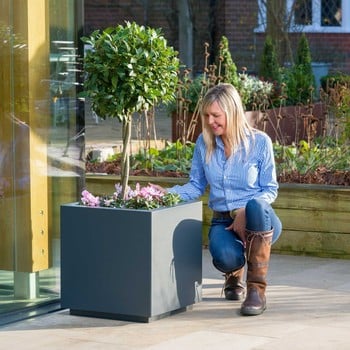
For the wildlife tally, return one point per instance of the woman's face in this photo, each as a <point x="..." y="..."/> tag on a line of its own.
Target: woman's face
<point x="215" y="117"/>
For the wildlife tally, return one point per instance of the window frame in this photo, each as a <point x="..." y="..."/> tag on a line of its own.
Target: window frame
<point x="316" y="26"/>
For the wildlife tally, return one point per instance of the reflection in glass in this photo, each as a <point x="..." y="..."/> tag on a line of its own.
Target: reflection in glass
<point x="41" y="148"/>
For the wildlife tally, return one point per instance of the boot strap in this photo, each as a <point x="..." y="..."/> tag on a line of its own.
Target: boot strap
<point x="266" y="237"/>
<point x="259" y="265"/>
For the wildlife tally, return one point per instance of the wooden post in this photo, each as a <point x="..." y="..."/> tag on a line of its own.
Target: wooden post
<point x="25" y="115"/>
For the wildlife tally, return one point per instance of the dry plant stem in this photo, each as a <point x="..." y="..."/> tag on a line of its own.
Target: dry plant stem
<point x="194" y="120"/>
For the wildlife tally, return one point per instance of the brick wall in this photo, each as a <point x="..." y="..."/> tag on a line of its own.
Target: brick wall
<point x="238" y="27"/>
<point x="104" y="13"/>
<point x="236" y="19"/>
<point x="331" y="48"/>
<point x="157" y="14"/>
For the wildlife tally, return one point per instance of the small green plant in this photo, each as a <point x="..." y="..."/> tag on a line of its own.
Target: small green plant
<point x="174" y="157"/>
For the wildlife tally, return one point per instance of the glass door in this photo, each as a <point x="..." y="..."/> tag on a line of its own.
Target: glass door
<point x="41" y="147"/>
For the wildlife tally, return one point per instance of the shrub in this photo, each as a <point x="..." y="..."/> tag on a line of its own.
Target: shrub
<point x="255" y="93"/>
<point x="299" y="78"/>
<point x="226" y="64"/>
<point x="269" y="67"/>
<point x="332" y="80"/>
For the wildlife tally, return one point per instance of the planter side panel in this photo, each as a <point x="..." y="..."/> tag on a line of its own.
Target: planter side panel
<point x="130" y="264"/>
<point x="177" y="257"/>
<point x="102" y="251"/>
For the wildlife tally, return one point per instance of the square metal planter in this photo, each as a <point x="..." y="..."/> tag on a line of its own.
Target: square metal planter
<point x="133" y="265"/>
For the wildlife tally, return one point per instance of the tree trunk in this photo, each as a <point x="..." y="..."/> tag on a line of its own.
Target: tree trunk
<point x="185" y="33"/>
<point x="126" y="153"/>
<point x="277" y="26"/>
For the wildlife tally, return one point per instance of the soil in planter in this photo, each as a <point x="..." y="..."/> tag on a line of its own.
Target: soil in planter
<point x="320" y="176"/>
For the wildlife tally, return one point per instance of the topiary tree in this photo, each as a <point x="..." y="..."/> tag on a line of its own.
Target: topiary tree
<point x="269" y="67"/>
<point x="129" y="69"/>
<point x="227" y="69"/>
<point x="301" y="80"/>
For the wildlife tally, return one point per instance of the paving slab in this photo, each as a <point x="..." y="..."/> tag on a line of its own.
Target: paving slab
<point x="308" y="308"/>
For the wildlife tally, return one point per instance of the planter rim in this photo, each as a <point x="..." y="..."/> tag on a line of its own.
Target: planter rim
<point x="76" y="204"/>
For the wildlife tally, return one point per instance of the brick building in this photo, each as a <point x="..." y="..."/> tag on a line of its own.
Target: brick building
<point x="244" y="23"/>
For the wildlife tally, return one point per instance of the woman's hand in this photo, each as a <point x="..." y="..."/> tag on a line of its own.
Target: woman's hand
<point x="239" y="224"/>
<point x="159" y="188"/>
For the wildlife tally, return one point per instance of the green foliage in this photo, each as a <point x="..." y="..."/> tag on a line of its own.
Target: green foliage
<point x="323" y="153"/>
<point x="226" y="64"/>
<point x="269" y="67"/>
<point x="299" y="78"/>
<point x="336" y="97"/>
<point x="189" y="92"/>
<point x="129" y="69"/>
<point x="333" y="80"/>
<point x="175" y="157"/>
<point x="255" y="93"/>
<point x="304" y="158"/>
<point x="303" y="55"/>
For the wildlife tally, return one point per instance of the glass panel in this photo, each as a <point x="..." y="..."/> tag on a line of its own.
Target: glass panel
<point x="41" y="147"/>
<point x="331" y="13"/>
<point x="303" y="12"/>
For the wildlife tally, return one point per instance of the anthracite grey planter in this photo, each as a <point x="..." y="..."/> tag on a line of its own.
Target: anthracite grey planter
<point x="133" y="265"/>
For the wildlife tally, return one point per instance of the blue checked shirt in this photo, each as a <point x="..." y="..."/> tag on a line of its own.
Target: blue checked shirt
<point x="234" y="181"/>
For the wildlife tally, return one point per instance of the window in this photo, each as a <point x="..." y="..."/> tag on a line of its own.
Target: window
<point x="331" y="14"/>
<point x="303" y="12"/>
<point x="312" y="15"/>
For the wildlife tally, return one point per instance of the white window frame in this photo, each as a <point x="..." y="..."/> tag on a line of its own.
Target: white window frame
<point x="316" y="26"/>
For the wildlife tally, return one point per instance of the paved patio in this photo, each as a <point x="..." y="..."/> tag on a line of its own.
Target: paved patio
<point x="308" y="308"/>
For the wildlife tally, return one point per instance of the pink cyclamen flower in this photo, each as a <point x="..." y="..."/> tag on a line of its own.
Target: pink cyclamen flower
<point x="90" y="200"/>
<point x="148" y="197"/>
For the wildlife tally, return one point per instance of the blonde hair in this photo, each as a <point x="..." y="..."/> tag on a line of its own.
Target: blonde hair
<point x="237" y="126"/>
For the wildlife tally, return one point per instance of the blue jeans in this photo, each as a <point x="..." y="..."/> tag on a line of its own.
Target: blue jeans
<point x="226" y="248"/>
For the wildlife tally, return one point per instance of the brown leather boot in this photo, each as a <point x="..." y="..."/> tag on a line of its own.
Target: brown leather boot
<point x="234" y="287"/>
<point x="258" y="257"/>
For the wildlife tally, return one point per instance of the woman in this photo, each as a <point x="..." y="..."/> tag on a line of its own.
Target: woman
<point x="237" y="162"/>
